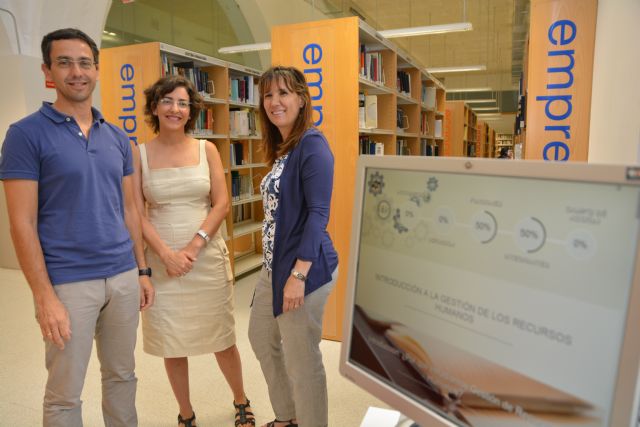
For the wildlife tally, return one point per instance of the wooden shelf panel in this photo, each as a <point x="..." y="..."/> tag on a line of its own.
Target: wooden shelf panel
<point x="247" y="227"/>
<point x="376" y="131"/>
<point x="248" y="166"/>
<point x="247" y="263"/>
<point x="373" y="88"/>
<point x="254" y="198"/>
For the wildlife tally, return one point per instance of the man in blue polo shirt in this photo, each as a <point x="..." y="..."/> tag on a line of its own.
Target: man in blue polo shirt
<point x="76" y="231"/>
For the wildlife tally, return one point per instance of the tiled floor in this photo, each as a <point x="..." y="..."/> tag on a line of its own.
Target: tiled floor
<point x="22" y="373"/>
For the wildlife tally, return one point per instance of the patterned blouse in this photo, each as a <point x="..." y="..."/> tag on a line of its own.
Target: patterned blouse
<point x="270" y="190"/>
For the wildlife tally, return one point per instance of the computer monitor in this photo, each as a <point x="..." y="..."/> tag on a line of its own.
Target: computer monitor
<point x="493" y="293"/>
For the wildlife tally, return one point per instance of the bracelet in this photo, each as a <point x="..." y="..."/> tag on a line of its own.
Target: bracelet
<point x="204" y="235"/>
<point x="298" y="275"/>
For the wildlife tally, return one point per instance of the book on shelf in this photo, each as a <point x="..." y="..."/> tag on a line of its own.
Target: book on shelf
<point x="437" y="128"/>
<point x="236" y="151"/>
<point x="200" y="78"/>
<point x="402" y="148"/>
<point x="403" y="83"/>
<point x="241" y="186"/>
<point x="361" y="110"/>
<point x="424" y="123"/>
<point x="369" y="146"/>
<point x="242" y="122"/>
<point x="371" y="65"/>
<point x="427" y="149"/>
<point x="241" y="213"/>
<point x="204" y="123"/>
<point x="429" y="96"/>
<point x="243" y="89"/>
<point x="371" y="111"/>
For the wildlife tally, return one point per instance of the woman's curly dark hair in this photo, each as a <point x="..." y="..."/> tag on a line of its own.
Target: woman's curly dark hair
<point x="154" y="93"/>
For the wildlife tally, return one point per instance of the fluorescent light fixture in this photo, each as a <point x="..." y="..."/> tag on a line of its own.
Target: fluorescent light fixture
<point x="478" y="101"/>
<point x="469" y="89"/>
<point x="458" y="69"/>
<point x="484" y="108"/>
<point x="254" y="47"/>
<point x="430" y="29"/>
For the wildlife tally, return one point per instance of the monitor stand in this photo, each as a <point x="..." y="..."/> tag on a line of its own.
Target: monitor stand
<point x="379" y="417"/>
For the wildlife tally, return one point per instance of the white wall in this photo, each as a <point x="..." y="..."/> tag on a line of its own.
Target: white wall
<point x="614" y="135"/>
<point x="22" y="82"/>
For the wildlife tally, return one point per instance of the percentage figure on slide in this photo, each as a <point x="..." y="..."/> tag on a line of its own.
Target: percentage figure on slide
<point x="581" y="244"/>
<point x="484" y="226"/>
<point x="530" y="234"/>
<point x="444" y="220"/>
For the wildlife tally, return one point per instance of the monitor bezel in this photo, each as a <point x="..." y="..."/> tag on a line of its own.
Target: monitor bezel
<point x="624" y="408"/>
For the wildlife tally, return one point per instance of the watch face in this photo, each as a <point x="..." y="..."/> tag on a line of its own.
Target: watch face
<point x="144" y="272"/>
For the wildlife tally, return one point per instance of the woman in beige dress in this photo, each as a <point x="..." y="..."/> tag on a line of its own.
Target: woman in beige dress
<point x="183" y="198"/>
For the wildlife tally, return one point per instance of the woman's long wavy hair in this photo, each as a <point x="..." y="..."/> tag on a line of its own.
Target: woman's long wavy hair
<point x="272" y="144"/>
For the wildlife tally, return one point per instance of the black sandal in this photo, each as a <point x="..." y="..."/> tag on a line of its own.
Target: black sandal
<point x="241" y="414"/>
<point x="273" y="423"/>
<point x="188" y="422"/>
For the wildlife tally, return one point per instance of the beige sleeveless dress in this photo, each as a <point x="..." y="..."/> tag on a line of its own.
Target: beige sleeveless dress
<point x="192" y="314"/>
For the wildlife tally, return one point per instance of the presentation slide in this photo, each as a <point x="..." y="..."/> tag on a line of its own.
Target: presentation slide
<point x="495" y="301"/>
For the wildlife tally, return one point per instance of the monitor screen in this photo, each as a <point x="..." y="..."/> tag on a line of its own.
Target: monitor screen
<point x="493" y="293"/>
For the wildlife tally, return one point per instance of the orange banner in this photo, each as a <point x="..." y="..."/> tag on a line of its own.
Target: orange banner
<point x="327" y="53"/>
<point x="560" y="73"/>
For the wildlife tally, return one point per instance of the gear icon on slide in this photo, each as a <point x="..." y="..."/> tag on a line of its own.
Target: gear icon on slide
<point x="376" y="183"/>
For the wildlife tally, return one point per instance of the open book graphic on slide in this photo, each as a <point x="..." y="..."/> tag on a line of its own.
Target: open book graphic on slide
<point x="461" y="385"/>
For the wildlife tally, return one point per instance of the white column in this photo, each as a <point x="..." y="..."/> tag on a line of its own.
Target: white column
<point x="614" y="135"/>
<point x="22" y="83"/>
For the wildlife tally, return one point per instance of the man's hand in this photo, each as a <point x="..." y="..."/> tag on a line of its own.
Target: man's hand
<point x="147" y="293"/>
<point x="53" y="318"/>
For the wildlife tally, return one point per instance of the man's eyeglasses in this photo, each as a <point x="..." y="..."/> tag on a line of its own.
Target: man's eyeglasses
<point x="66" y="63"/>
<point x="168" y="102"/>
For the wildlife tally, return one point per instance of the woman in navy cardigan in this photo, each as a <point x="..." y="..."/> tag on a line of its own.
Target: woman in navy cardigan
<point x="300" y="264"/>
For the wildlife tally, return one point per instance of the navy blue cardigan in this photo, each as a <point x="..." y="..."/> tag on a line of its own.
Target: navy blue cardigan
<point x="303" y="213"/>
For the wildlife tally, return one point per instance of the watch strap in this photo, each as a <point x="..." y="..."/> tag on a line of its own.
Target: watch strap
<point x="204" y="235"/>
<point x="298" y="275"/>
<point x="144" y="272"/>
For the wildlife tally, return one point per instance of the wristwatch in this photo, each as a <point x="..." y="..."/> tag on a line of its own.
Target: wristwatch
<point x="298" y="275"/>
<point x="204" y="235"/>
<point x="144" y="272"/>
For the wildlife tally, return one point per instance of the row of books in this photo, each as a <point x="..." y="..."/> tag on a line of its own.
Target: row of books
<point x="427" y="149"/>
<point x="371" y="65"/>
<point x="241" y="186"/>
<point x="243" y="89"/>
<point x="367" y="111"/>
<point x="190" y="71"/>
<point x="402" y="148"/>
<point x="242" y="123"/>
<point x="241" y="213"/>
<point x="403" y="83"/>
<point x="204" y="122"/>
<point x="368" y="145"/>
<point x="425" y="129"/>
<point x="237" y="153"/>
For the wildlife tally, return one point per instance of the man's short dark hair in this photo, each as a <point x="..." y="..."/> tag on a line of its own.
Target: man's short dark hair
<point x="66" y="34"/>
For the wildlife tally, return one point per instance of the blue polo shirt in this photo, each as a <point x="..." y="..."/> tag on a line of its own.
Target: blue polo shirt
<point x="80" y="203"/>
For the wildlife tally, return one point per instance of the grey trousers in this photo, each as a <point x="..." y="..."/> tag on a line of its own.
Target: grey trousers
<point x="288" y="349"/>
<point x="106" y="310"/>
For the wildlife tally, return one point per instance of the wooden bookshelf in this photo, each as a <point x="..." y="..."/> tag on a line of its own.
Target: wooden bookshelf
<point x="230" y="97"/>
<point x="398" y="84"/>
<point x="461" y="134"/>
<point x="503" y="140"/>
